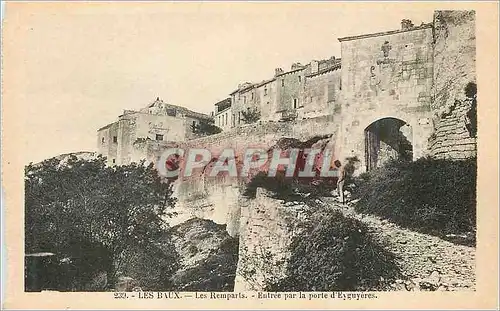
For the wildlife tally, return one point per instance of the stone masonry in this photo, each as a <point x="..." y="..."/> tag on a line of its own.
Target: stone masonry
<point x="394" y="91"/>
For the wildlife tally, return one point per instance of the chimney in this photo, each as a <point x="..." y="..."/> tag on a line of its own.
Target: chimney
<point x="406" y="24"/>
<point x="314" y="66"/>
<point x="278" y="71"/>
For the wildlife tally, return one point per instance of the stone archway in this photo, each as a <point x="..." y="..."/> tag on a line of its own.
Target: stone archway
<point x="387" y="139"/>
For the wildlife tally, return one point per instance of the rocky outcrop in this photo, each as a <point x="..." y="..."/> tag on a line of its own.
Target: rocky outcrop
<point x="208" y="256"/>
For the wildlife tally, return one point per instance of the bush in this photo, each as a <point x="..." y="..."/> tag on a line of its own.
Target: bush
<point x="337" y="253"/>
<point x="437" y="197"/>
<point x="92" y="214"/>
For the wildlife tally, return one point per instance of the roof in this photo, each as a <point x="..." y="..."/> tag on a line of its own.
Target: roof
<point x="264" y="82"/>
<point x="291" y="71"/>
<point x="385" y="33"/>
<point x="107" y="126"/>
<point x="325" y="70"/>
<point x="224" y="101"/>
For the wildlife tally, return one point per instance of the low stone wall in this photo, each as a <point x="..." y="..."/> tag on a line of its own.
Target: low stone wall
<point x="267" y="227"/>
<point x="266" y="134"/>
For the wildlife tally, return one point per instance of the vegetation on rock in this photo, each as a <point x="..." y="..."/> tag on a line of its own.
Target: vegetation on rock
<point x="209" y="256"/>
<point x="431" y="196"/>
<point x="336" y="253"/>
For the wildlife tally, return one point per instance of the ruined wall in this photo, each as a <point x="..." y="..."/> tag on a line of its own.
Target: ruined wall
<point x="268" y="101"/>
<point x="216" y="199"/>
<point x="454" y="55"/>
<point x="267" y="227"/>
<point x="106" y="144"/>
<point x="387" y="75"/>
<point x="454" y="68"/>
<point x="320" y="93"/>
<point x="290" y="85"/>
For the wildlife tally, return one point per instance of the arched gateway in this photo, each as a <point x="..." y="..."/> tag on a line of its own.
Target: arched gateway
<point x="387" y="139"/>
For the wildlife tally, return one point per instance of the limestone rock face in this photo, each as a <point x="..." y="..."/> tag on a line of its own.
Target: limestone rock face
<point x="208" y="256"/>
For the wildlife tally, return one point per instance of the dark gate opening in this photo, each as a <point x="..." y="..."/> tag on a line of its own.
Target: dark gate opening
<point x="387" y="139"/>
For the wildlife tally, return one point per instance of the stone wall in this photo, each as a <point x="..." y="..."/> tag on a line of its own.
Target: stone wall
<point x="216" y="198"/>
<point x="454" y="63"/>
<point x="452" y="140"/>
<point x="267" y="227"/>
<point x="320" y="94"/>
<point x="387" y="75"/>
<point x="454" y="55"/>
<point x="290" y="85"/>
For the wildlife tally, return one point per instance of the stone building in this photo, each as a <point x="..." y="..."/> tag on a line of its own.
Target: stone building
<point x="159" y="123"/>
<point x="393" y="94"/>
<point x="222" y="114"/>
<point x="301" y="92"/>
<point x="386" y="93"/>
<point x="320" y="93"/>
<point x="403" y="91"/>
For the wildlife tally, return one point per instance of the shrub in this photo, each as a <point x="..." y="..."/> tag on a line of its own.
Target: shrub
<point x="337" y="253"/>
<point x="431" y="196"/>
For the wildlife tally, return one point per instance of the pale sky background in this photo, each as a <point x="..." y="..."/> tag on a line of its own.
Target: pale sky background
<point x="77" y="66"/>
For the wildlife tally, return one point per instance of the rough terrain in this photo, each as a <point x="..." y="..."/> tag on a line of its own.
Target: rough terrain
<point x="428" y="262"/>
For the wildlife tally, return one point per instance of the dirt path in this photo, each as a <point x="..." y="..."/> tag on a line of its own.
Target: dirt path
<point x="428" y="262"/>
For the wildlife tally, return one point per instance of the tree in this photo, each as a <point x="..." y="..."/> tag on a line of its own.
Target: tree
<point x="251" y="116"/>
<point x="85" y="202"/>
<point x="205" y="127"/>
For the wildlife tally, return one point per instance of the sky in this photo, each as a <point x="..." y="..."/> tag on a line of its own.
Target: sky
<point x="74" y="67"/>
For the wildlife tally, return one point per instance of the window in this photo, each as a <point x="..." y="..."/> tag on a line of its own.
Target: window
<point x="114" y="161"/>
<point x="252" y="96"/>
<point x="283" y="82"/>
<point x="244" y="99"/>
<point x="239" y="117"/>
<point x="300" y="78"/>
<point x="340" y="84"/>
<point x="265" y="91"/>
<point x="159" y="137"/>
<point x="233" y="120"/>
<point x="226" y="119"/>
<point x="102" y="140"/>
<point x="171" y="112"/>
<point x="115" y="139"/>
<point x="295" y="103"/>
